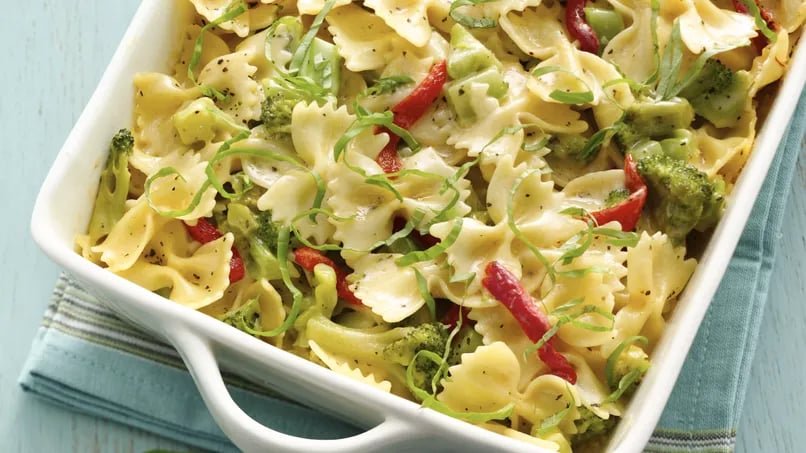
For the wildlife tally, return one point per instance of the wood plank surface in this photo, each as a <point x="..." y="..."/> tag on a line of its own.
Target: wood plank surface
<point x="53" y="54"/>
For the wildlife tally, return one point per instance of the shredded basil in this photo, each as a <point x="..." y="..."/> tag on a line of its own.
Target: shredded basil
<point x="364" y="121"/>
<point x="422" y="287"/>
<point x="755" y="11"/>
<point x="623" y="385"/>
<point x="672" y="82"/>
<point x="613" y="358"/>
<point x="617" y="237"/>
<point x="550" y="423"/>
<point x="234" y="10"/>
<point x="653" y="28"/>
<point x="566" y="97"/>
<point x="593" y="145"/>
<point x="283" y="241"/>
<point x="573" y="319"/>
<point x="168" y="171"/>
<point x="301" y="54"/>
<point x="518" y="233"/>
<point x="433" y="251"/>
<point x="386" y="85"/>
<point x="470" y="21"/>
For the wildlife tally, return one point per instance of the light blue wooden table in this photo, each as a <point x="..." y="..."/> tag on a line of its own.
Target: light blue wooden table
<point x="53" y="54"/>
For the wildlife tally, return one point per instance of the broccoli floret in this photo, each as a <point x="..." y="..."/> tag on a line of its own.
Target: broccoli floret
<point x="202" y="120"/>
<point x="633" y="358"/>
<point x="247" y="314"/>
<point x="680" y="145"/>
<point x="568" y="146"/>
<point x="110" y="201"/>
<point x="430" y="336"/>
<point x="281" y="97"/>
<point x="471" y="62"/>
<point x="468" y="55"/>
<point x="718" y="94"/>
<point x="591" y="427"/>
<point x="616" y="196"/>
<point x="681" y="197"/>
<point x="266" y="230"/>
<point x="654" y="120"/>
<point x="465" y="342"/>
<point x="392" y="350"/>
<point x="256" y="237"/>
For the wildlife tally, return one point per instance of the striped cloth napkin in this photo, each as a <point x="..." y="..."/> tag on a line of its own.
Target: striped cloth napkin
<point x="87" y="359"/>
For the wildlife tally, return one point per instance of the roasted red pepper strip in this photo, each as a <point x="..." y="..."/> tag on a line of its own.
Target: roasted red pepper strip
<point x="388" y="158"/>
<point x="506" y="288"/>
<point x="451" y="317"/>
<point x="579" y="28"/>
<point x="205" y="232"/>
<point x="760" y="41"/>
<point x="628" y="211"/>
<point x="308" y="258"/>
<point x="409" y="110"/>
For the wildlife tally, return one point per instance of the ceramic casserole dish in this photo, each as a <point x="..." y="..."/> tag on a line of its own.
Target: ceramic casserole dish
<point x="207" y="346"/>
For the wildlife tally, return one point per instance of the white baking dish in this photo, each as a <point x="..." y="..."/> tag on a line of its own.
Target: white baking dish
<point x="65" y="203"/>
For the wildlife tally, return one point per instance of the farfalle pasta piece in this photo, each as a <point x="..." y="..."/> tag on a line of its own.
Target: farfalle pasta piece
<point x="203" y="121"/>
<point x="497" y="9"/>
<point x="538" y="32"/>
<point x="312" y="7"/>
<point x="157" y="97"/>
<point x="533" y="197"/>
<point x="269" y="305"/>
<point x="291" y="194"/>
<point x="196" y="276"/>
<point x="497" y="325"/>
<point x="657" y="272"/>
<point x="129" y="237"/>
<point x="632" y="50"/>
<point x="364" y="211"/>
<point x="265" y="171"/>
<point x="704" y="26"/>
<point x="389" y="290"/>
<point x="425" y="193"/>
<point x="724" y="151"/>
<point x="315" y="131"/>
<point x="594" y="289"/>
<point x="790" y="14"/>
<point x="485" y="381"/>
<point x="257" y="16"/>
<point x="590" y="191"/>
<point x="363" y="39"/>
<point x="176" y="191"/>
<point x="771" y="65"/>
<point x="407" y="18"/>
<point x="213" y="47"/>
<point x="583" y="72"/>
<point x="477" y="245"/>
<point x="343" y="366"/>
<point x="233" y="76"/>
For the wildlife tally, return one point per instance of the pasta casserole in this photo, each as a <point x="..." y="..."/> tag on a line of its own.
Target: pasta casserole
<point x="488" y="207"/>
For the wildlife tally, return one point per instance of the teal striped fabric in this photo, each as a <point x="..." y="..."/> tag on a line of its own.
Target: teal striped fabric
<point x="87" y="359"/>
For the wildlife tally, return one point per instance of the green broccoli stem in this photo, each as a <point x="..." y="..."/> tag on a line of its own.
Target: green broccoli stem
<point x="393" y="350"/>
<point x="110" y="201"/>
<point x="360" y="344"/>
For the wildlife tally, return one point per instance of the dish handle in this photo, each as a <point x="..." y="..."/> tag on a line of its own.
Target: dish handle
<point x="252" y="436"/>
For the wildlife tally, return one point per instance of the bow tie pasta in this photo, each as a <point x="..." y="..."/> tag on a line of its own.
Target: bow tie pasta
<point x="482" y="206"/>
